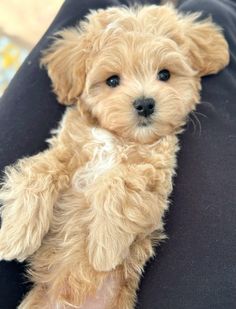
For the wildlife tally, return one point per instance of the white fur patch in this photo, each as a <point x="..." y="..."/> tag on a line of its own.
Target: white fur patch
<point x="103" y="159"/>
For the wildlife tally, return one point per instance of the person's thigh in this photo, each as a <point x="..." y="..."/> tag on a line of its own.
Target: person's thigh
<point x="195" y="268"/>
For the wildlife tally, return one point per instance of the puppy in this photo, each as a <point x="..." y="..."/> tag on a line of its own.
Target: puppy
<point x="86" y="212"/>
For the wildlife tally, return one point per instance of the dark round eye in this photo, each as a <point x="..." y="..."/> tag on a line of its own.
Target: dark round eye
<point x="163" y="75"/>
<point x="113" y="81"/>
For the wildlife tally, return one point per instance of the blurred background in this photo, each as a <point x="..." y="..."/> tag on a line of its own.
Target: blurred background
<point x="22" y="23"/>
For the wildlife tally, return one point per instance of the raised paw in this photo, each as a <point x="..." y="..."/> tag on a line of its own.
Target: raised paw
<point x="25" y="217"/>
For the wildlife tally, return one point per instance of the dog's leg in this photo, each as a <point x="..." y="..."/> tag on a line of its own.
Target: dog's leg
<point x="28" y="194"/>
<point x="122" y="206"/>
<point x="35" y="299"/>
<point x="108" y="242"/>
<point x="140" y="251"/>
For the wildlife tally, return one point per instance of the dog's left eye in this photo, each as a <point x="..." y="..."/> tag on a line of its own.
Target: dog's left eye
<point x="163" y="75"/>
<point x="113" y="81"/>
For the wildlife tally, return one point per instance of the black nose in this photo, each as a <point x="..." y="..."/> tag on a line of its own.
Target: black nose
<point x="144" y="106"/>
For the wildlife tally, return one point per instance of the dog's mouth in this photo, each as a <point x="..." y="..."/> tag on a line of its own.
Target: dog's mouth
<point x="145" y="122"/>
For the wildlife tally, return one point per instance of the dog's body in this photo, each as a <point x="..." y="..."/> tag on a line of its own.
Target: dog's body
<point x="104" y="217"/>
<point x="87" y="210"/>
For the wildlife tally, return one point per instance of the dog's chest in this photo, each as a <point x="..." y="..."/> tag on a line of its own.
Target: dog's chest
<point x="103" y="155"/>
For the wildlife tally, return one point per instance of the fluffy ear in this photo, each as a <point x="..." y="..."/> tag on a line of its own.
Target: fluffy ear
<point x="206" y="45"/>
<point x="67" y="57"/>
<point x="65" y="63"/>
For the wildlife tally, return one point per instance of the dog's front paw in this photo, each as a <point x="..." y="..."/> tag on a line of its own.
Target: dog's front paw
<point x="24" y="216"/>
<point x="22" y="228"/>
<point x="19" y="237"/>
<point x="17" y="242"/>
<point x="108" y="246"/>
<point x="11" y="251"/>
<point x="105" y="259"/>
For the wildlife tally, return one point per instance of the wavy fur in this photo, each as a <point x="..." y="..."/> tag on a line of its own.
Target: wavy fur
<point x="87" y="212"/>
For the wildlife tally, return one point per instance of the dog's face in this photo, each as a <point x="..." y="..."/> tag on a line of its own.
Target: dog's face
<point x="139" y="86"/>
<point x="135" y="71"/>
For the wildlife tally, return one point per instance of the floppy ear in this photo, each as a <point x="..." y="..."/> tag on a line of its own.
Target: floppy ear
<point x="66" y="59"/>
<point x="206" y="45"/>
<point x="65" y="63"/>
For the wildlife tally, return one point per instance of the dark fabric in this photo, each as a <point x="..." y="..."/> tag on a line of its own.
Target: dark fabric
<point x="195" y="268"/>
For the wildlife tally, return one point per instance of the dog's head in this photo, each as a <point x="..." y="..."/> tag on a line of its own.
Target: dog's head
<point x="136" y="71"/>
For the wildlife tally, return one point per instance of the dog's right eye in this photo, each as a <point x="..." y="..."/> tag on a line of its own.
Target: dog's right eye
<point x="163" y="75"/>
<point x="113" y="81"/>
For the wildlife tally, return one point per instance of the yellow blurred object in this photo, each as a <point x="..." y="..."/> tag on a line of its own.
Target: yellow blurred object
<point x="10" y="56"/>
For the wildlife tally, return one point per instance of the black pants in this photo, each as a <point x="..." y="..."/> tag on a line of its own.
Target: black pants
<point x="196" y="267"/>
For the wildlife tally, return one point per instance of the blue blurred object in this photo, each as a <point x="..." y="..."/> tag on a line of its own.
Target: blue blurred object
<point x="11" y="57"/>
